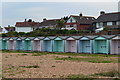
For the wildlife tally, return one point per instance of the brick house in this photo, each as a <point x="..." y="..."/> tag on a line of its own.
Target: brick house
<point x="78" y="22"/>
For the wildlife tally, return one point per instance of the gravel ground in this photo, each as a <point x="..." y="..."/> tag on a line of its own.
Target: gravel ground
<point x="48" y="66"/>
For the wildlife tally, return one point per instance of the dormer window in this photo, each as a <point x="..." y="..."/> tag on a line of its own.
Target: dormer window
<point x="71" y="20"/>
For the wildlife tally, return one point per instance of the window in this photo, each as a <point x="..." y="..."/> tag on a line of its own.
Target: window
<point x="109" y="23"/>
<point x="118" y="23"/>
<point x="71" y="20"/>
<point x="75" y="26"/>
<point x="67" y="26"/>
<point x="99" y="25"/>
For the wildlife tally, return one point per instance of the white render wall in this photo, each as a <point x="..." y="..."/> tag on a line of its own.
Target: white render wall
<point x="24" y="29"/>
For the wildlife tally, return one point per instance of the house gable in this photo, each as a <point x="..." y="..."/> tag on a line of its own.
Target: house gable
<point x="71" y="20"/>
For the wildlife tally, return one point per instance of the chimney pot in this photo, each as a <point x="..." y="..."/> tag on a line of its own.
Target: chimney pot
<point x="102" y="13"/>
<point x="80" y="14"/>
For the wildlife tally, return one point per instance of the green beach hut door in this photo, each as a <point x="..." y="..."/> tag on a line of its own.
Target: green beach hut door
<point x="59" y="46"/>
<point x="27" y="44"/>
<point x="101" y="46"/>
<point x="4" y="44"/>
<point x="19" y="44"/>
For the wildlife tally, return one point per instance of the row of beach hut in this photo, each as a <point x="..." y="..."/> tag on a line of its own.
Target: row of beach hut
<point x="106" y="44"/>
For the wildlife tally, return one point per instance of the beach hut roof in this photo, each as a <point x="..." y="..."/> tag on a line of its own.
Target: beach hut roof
<point x="12" y="38"/>
<point x="28" y="38"/>
<point x="77" y="37"/>
<point x="100" y="38"/>
<point x="70" y="38"/>
<point x="116" y="37"/>
<point x="62" y="37"/>
<point x="5" y="38"/>
<point x="84" y="38"/>
<point x="92" y="37"/>
<point x="108" y="36"/>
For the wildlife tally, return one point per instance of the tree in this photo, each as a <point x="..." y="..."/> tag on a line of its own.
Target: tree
<point x="60" y="24"/>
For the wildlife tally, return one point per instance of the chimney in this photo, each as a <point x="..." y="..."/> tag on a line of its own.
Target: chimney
<point x="44" y="19"/>
<point x="8" y="25"/>
<point x="25" y="20"/>
<point x="102" y="12"/>
<point x="80" y="14"/>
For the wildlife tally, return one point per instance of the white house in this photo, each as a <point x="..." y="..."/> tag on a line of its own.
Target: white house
<point x="26" y="26"/>
<point x="110" y="20"/>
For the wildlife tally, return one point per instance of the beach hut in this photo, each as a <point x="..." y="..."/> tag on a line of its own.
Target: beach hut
<point x="5" y="43"/>
<point x="37" y="43"/>
<point x="11" y="43"/>
<point x="59" y="44"/>
<point x="47" y="44"/>
<point x="85" y="45"/>
<point x="28" y="43"/>
<point x="19" y="43"/>
<point x="71" y="44"/>
<point x="101" y="44"/>
<point x="115" y="45"/>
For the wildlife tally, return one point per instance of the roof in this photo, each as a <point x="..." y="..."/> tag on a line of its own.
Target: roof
<point x="27" y="24"/>
<point x="51" y="22"/>
<point x="10" y="28"/>
<point x="83" y="19"/>
<point x="108" y="17"/>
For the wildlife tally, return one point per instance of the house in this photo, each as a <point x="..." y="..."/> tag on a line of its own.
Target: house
<point x="26" y="26"/>
<point x="8" y="29"/>
<point x="78" y="22"/>
<point x="110" y="20"/>
<point x="52" y="23"/>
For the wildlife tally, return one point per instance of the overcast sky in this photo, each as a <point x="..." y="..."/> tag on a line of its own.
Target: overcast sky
<point x="13" y="12"/>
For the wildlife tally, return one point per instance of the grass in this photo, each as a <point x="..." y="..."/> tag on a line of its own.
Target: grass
<point x="108" y="74"/>
<point x="114" y="74"/>
<point x="34" y="66"/>
<point x="37" y="53"/>
<point x="23" y="54"/>
<point x="88" y="59"/>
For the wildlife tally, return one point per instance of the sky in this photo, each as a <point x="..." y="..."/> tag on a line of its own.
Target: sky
<point x="13" y="12"/>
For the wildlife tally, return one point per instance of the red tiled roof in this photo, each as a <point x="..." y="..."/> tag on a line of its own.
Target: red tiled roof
<point x="26" y="24"/>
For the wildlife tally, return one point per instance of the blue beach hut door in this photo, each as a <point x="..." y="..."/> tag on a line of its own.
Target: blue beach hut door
<point x="85" y="46"/>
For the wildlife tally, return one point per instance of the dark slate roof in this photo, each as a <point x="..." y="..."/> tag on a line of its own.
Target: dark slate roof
<point x="108" y="17"/>
<point x="83" y="19"/>
<point x="27" y="24"/>
<point x="10" y="28"/>
<point x="51" y="22"/>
